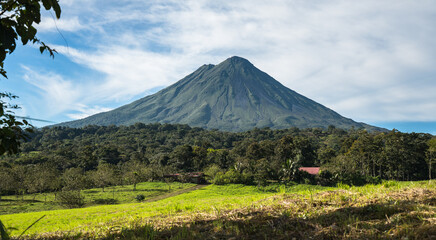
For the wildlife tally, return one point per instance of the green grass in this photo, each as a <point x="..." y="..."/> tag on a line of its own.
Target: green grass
<point x="246" y="211"/>
<point x="209" y="199"/>
<point x="95" y="196"/>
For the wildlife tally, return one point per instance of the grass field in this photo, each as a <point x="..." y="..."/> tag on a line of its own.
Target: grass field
<point x="112" y="195"/>
<point x="392" y="210"/>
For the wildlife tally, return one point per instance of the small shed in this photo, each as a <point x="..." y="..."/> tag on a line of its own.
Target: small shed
<point x="310" y="170"/>
<point x="197" y="177"/>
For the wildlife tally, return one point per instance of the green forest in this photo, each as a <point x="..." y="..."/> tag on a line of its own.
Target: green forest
<point x="62" y="158"/>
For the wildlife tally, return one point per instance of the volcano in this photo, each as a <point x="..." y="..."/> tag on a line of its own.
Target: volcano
<point x="231" y="96"/>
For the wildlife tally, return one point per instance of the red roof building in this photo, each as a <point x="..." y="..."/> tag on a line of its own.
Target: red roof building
<point x="310" y="170"/>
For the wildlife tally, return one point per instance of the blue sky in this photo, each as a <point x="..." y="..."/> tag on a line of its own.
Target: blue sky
<point x="372" y="61"/>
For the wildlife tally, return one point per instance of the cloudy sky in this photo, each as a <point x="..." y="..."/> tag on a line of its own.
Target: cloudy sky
<point x="372" y="61"/>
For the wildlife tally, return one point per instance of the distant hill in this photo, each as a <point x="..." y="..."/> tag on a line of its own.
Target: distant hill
<point x="231" y="96"/>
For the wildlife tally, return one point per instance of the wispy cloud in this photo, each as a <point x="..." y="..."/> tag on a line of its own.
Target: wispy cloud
<point x="368" y="60"/>
<point x="84" y="111"/>
<point x="56" y="95"/>
<point x="128" y="71"/>
<point x="51" y="24"/>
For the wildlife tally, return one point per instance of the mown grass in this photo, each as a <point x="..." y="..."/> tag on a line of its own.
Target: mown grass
<point x="93" y="197"/>
<point x="392" y="210"/>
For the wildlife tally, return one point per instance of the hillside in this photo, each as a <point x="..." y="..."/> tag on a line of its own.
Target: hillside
<point x="231" y="96"/>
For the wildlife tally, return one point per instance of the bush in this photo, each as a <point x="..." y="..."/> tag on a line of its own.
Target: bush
<point x="71" y="199"/>
<point x="305" y="177"/>
<point x="211" y="172"/>
<point x="356" y="179"/>
<point x="232" y="176"/>
<point x="219" y="179"/>
<point x="247" y="178"/>
<point x="373" y="180"/>
<point x="140" y="197"/>
<point x="325" y="178"/>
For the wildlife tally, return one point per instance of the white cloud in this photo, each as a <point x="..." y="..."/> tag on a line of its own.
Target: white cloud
<point x="129" y="72"/>
<point x="57" y="95"/>
<point x="368" y="60"/>
<point x="51" y="24"/>
<point x="84" y="111"/>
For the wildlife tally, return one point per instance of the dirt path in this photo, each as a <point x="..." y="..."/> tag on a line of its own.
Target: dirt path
<point x="172" y="194"/>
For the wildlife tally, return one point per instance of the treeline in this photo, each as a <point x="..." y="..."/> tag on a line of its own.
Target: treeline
<point x="54" y="158"/>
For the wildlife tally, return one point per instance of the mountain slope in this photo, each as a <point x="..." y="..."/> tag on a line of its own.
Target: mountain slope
<point x="232" y="96"/>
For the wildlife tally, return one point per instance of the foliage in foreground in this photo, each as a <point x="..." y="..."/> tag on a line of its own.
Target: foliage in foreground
<point x="392" y="210"/>
<point x="17" y="22"/>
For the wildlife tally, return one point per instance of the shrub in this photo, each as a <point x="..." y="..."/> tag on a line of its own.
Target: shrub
<point x="356" y="179"/>
<point x="211" y="172"/>
<point x="140" y="197"/>
<point x="219" y="179"/>
<point x="230" y="176"/>
<point x="247" y="178"/>
<point x="71" y="199"/>
<point x="305" y="177"/>
<point x="325" y="178"/>
<point x="373" y="180"/>
<point x="233" y="176"/>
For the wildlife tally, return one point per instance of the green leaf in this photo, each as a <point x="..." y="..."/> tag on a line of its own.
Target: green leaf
<point x="4" y="235"/>
<point x="46" y="4"/>
<point x="31" y="32"/>
<point x="56" y="8"/>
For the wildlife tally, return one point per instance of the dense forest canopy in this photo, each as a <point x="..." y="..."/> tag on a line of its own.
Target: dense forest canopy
<point x="62" y="157"/>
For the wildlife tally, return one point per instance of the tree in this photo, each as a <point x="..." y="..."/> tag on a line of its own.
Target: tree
<point x="20" y="174"/>
<point x="303" y="148"/>
<point x="431" y="153"/>
<point x="364" y="152"/>
<point x="7" y="183"/>
<point x="160" y="172"/>
<point x="108" y="154"/>
<point x="219" y="157"/>
<point x="74" y="179"/>
<point x="103" y="176"/>
<point x="182" y="157"/>
<point x="11" y="130"/>
<point x="135" y="172"/>
<point x="290" y="169"/>
<point x="325" y="154"/>
<point x="42" y="178"/>
<point x="86" y="159"/>
<point x="199" y="158"/>
<point x="16" y="20"/>
<point x="283" y="150"/>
